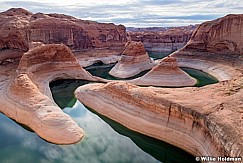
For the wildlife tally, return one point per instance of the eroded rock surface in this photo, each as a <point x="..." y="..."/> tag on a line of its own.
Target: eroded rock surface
<point x="220" y="36"/>
<point x="27" y="98"/>
<point x="18" y="27"/>
<point x="166" y="73"/>
<point x="134" y="60"/>
<point x="205" y="121"/>
<point x="199" y="120"/>
<point x="218" y="42"/>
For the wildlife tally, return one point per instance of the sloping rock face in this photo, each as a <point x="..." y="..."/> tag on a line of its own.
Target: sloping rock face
<point x="218" y="41"/>
<point x="215" y="47"/>
<point x="134" y="60"/>
<point x="18" y="27"/>
<point x="220" y="36"/>
<point x="166" y="73"/>
<point x="27" y="98"/>
<point x="162" y="39"/>
<point x="198" y="120"/>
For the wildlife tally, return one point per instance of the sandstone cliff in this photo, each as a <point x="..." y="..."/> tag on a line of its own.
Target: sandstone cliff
<point x="220" y="36"/>
<point x="18" y="27"/>
<point x="166" y="73"/>
<point x="162" y="39"/>
<point x="134" y="60"/>
<point x="218" y="41"/>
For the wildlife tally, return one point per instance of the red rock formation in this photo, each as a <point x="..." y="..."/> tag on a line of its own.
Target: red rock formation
<point x="134" y="60"/>
<point x="13" y="29"/>
<point x="27" y="97"/>
<point x="166" y="73"/>
<point x="18" y="27"/>
<point x="203" y="121"/>
<point x="163" y="39"/>
<point x="133" y="48"/>
<point x="219" y="36"/>
<point x="218" y="42"/>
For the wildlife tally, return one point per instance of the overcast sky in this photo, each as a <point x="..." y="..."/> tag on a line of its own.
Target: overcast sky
<point x="134" y="13"/>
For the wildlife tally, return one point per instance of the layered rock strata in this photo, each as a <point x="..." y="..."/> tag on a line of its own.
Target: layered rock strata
<point x="18" y="27"/>
<point x="201" y="121"/>
<point x="215" y="47"/>
<point x="26" y="97"/>
<point x="220" y="36"/>
<point x="166" y="73"/>
<point x="134" y="60"/>
<point x="162" y="39"/>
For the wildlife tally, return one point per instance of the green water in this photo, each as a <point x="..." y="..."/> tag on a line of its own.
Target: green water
<point x="103" y="72"/>
<point x="202" y="77"/>
<point x="158" y="55"/>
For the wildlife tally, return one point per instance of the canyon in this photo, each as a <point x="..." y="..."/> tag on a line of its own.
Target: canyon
<point x="201" y="120"/>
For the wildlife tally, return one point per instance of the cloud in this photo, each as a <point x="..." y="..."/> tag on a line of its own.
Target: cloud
<point x="138" y="13"/>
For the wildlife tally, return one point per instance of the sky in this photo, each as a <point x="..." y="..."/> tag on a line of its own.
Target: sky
<point x="134" y="13"/>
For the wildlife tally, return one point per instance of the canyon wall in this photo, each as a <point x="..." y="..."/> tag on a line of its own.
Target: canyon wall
<point x="162" y="39"/>
<point x="219" y="41"/>
<point x="219" y="36"/>
<point x="19" y="27"/>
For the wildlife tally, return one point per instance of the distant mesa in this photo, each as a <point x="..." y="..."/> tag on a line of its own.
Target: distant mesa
<point x="166" y="73"/>
<point x="134" y="60"/>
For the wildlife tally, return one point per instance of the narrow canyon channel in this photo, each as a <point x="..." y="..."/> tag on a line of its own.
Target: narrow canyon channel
<point x="104" y="141"/>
